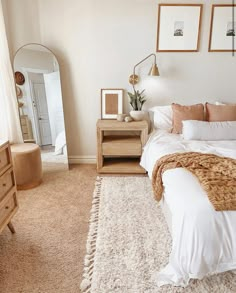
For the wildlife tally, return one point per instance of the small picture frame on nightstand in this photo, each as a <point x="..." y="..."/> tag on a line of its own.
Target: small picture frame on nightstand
<point x="111" y="103"/>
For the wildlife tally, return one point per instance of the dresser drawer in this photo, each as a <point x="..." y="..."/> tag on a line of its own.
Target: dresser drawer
<point x="24" y="129"/>
<point x="8" y="207"/>
<point x="23" y="121"/>
<point x="6" y="183"/>
<point x="4" y="159"/>
<point x="25" y="136"/>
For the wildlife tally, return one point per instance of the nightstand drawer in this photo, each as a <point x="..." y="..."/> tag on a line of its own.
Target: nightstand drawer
<point x="121" y="146"/>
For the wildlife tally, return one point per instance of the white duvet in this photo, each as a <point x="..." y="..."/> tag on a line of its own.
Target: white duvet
<point x="204" y="241"/>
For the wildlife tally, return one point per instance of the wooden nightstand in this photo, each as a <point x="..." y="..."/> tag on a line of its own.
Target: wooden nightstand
<point x="119" y="146"/>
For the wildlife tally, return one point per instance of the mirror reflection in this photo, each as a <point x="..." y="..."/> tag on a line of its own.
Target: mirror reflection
<point x="39" y="96"/>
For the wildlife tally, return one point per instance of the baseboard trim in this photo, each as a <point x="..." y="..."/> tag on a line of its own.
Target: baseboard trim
<point x="82" y="159"/>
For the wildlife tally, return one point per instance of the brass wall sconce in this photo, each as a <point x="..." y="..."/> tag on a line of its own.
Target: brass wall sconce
<point x="134" y="78"/>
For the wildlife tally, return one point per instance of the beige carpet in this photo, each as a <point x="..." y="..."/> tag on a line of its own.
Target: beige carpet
<point x="129" y="242"/>
<point x="46" y="254"/>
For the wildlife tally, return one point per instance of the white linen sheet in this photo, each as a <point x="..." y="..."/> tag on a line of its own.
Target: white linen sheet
<point x="203" y="240"/>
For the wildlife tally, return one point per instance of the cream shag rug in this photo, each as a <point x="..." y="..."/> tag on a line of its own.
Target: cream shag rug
<point x="129" y="242"/>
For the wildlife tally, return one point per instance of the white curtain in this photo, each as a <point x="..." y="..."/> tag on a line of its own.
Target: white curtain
<point x="9" y="118"/>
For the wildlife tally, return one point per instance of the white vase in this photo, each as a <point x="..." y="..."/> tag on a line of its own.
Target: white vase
<point x="141" y="115"/>
<point x="138" y="115"/>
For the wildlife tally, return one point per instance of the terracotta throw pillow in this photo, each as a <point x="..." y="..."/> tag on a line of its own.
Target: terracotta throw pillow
<point x="216" y="113"/>
<point x="180" y="113"/>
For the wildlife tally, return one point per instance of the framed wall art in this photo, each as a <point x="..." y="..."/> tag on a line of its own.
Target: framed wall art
<point x="111" y="103"/>
<point x="178" y="28"/>
<point x="223" y="28"/>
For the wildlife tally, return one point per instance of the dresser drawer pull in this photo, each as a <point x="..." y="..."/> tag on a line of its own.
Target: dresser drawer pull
<point x="6" y="207"/>
<point x="4" y="184"/>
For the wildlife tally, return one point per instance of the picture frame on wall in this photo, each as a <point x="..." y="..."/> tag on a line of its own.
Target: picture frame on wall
<point x="111" y="103"/>
<point x="178" y="28"/>
<point x="223" y="28"/>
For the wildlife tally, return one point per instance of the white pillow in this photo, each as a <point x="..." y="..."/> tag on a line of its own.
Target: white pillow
<point x="162" y="117"/>
<point x="202" y="130"/>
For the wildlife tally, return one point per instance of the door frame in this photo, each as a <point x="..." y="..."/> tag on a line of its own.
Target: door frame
<point x="29" y="98"/>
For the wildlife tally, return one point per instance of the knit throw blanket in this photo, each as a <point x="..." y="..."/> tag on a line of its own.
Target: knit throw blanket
<point x="217" y="176"/>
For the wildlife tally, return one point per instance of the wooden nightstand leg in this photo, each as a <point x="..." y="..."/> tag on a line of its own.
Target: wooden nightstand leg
<point x="11" y="227"/>
<point x="99" y="162"/>
<point x="99" y="149"/>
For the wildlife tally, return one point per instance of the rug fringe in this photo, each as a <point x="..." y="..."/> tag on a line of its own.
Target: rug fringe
<point x="85" y="285"/>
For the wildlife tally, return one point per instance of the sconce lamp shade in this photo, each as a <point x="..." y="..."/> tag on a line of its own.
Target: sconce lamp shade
<point x="154" y="70"/>
<point x="134" y="78"/>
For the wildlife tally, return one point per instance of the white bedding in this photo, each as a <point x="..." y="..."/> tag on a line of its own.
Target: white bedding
<point x="204" y="241"/>
<point x="60" y="144"/>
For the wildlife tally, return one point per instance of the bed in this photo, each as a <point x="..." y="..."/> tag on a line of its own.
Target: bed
<point x="203" y="240"/>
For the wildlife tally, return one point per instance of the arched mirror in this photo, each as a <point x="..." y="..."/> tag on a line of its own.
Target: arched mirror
<point x="38" y="90"/>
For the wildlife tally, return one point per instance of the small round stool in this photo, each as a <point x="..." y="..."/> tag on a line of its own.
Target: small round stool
<point x="27" y="165"/>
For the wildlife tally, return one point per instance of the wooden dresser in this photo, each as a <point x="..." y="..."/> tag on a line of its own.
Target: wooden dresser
<point x="26" y="127"/>
<point x="8" y="197"/>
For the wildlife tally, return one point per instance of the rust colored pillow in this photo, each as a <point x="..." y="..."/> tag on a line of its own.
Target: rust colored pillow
<point x="216" y="113"/>
<point x="180" y="113"/>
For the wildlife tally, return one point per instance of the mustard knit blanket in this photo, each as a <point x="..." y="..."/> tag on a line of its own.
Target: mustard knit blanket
<point x="217" y="176"/>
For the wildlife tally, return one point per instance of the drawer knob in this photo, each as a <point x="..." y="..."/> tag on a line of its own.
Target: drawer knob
<point x="4" y="184"/>
<point x="6" y="207"/>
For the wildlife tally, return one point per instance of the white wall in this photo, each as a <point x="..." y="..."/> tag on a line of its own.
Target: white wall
<point x="22" y="22"/>
<point x="97" y="44"/>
